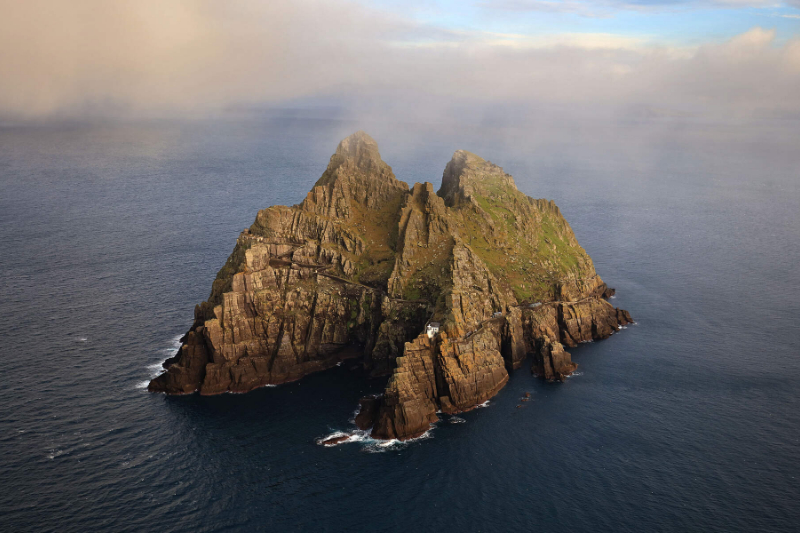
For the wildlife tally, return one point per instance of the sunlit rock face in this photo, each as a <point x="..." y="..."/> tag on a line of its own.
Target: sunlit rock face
<point x="361" y="266"/>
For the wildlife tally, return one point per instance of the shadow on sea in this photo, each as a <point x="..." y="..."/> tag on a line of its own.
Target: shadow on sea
<point x="298" y="414"/>
<point x="303" y="409"/>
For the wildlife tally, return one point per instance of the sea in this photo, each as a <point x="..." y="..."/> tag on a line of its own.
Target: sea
<point x="687" y="420"/>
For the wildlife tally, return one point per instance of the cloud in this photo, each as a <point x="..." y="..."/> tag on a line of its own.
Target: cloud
<point x="547" y="6"/>
<point x="198" y="57"/>
<point x="587" y="41"/>
<point x="181" y="55"/>
<point x="606" y="8"/>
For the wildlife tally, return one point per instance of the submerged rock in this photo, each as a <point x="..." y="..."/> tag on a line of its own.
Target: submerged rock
<point x="359" y="268"/>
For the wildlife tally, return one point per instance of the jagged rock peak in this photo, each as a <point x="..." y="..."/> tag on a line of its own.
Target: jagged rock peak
<point x="357" y="157"/>
<point x="356" y="173"/>
<point x="359" y="149"/>
<point x="462" y="159"/>
<point x="467" y="173"/>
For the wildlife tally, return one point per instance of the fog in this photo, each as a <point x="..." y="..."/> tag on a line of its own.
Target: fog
<point x="151" y="58"/>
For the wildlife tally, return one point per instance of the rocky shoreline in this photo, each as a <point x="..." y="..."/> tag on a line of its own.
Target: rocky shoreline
<point x="364" y="263"/>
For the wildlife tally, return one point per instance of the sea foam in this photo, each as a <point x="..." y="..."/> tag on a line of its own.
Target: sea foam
<point x="370" y="445"/>
<point x="156" y="369"/>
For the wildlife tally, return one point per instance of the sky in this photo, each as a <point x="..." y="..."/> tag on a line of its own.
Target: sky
<point x="167" y="58"/>
<point x="676" y="22"/>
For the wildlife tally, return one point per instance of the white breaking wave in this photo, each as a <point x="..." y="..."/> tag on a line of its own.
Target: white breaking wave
<point x="357" y="435"/>
<point x="370" y="445"/>
<point x="379" y="446"/>
<point x="156" y="369"/>
<point x="174" y="344"/>
<point x="53" y="453"/>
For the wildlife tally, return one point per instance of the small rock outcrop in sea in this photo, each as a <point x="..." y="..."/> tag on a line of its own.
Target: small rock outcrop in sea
<point x="360" y="267"/>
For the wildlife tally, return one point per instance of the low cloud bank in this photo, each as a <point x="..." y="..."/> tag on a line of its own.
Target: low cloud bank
<point x="152" y="58"/>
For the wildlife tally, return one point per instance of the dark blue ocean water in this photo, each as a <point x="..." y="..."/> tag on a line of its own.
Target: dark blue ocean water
<point x="687" y="421"/>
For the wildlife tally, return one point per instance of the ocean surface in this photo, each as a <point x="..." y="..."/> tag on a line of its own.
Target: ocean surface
<point x="688" y="420"/>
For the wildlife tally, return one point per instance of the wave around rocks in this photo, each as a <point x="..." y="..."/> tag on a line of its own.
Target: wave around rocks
<point x="370" y="445"/>
<point x="156" y="369"/>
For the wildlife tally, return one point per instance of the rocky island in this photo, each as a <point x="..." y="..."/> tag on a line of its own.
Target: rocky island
<point x="444" y="291"/>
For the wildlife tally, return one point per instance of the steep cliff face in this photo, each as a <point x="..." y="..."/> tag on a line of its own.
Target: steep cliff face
<point x="360" y="267"/>
<point x="305" y="286"/>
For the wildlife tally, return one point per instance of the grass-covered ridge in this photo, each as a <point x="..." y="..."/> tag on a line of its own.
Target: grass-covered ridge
<point x="525" y="243"/>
